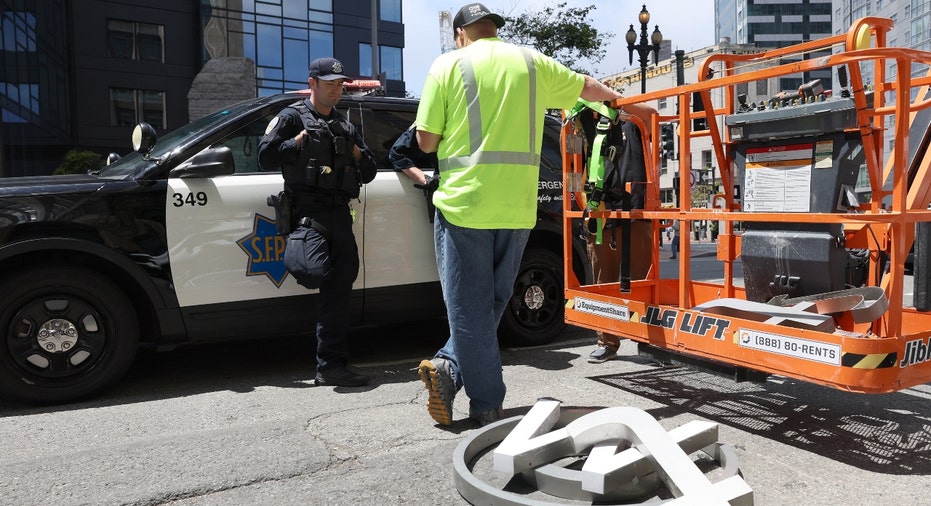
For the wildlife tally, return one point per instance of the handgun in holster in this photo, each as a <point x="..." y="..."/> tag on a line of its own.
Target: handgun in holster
<point x="284" y="215"/>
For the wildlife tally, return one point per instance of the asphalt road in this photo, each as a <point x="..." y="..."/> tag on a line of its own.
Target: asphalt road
<point x="242" y="424"/>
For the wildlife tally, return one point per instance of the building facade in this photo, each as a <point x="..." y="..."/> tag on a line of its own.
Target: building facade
<point x="774" y="24"/>
<point x="911" y="27"/>
<point x="80" y="74"/>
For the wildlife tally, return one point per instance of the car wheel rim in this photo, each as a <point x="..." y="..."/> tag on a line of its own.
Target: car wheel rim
<point x="55" y="338"/>
<point x="534" y="298"/>
<point x="536" y="301"/>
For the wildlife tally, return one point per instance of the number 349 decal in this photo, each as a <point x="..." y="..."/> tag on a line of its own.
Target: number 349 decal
<point x="190" y="199"/>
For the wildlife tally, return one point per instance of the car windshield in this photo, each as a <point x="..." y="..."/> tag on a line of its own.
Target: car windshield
<point x="164" y="145"/>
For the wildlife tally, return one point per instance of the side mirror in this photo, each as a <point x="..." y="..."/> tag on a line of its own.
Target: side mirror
<point x="210" y="162"/>
<point x="144" y="138"/>
<point x="112" y="158"/>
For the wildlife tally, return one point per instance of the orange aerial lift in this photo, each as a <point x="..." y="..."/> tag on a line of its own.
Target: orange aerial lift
<point x="821" y="296"/>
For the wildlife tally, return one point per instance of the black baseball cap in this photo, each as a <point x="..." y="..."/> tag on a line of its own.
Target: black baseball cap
<point x="327" y="69"/>
<point x="471" y="13"/>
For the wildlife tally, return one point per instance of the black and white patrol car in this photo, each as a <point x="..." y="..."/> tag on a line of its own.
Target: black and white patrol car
<point x="175" y="244"/>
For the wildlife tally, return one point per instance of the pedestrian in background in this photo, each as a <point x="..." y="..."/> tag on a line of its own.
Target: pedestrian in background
<point x="674" y="244"/>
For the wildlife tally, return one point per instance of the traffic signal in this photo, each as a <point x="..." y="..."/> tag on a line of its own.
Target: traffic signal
<point x="667" y="141"/>
<point x="698" y="106"/>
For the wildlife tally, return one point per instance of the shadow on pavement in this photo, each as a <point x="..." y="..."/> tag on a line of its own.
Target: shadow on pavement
<point x="387" y="353"/>
<point x="884" y="433"/>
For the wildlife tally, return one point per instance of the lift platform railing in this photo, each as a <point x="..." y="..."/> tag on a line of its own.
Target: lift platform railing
<point x="821" y="298"/>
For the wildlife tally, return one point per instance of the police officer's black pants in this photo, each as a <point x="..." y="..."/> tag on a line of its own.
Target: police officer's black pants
<point x="336" y="289"/>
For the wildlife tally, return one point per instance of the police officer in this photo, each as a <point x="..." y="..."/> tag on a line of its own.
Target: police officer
<point x="324" y="161"/>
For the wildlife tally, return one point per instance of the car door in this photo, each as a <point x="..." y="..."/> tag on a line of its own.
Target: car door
<point x="396" y="243"/>
<point x="223" y="242"/>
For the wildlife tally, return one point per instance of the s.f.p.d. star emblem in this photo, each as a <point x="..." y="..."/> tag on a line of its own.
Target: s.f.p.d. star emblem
<point x="265" y="249"/>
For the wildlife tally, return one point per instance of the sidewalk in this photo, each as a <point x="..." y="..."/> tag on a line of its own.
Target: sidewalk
<point x="701" y="248"/>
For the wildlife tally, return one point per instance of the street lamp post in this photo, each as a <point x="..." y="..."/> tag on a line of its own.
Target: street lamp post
<point x="645" y="46"/>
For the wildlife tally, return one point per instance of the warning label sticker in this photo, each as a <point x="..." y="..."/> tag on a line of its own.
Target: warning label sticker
<point x="778" y="179"/>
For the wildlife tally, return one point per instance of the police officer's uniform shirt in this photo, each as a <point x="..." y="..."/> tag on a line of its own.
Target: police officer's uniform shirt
<point x="278" y="150"/>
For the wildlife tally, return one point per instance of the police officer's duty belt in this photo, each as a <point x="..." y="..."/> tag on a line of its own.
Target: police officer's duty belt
<point x="319" y="200"/>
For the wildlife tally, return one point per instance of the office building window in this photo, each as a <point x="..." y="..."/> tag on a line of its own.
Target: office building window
<point x="18" y="41"/>
<point x="17" y="31"/>
<point x="365" y="60"/>
<point x="321" y="43"/>
<point x="281" y="37"/>
<point x="135" y="41"/>
<point x="23" y="97"/>
<point x="389" y="61"/>
<point x="762" y="88"/>
<point x="390" y="10"/>
<point x="128" y="107"/>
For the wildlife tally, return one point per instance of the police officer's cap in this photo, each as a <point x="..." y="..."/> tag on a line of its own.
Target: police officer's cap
<point x="327" y="69"/>
<point x="471" y="13"/>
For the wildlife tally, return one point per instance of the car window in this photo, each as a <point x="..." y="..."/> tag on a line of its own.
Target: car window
<point x="169" y="142"/>
<point x="550" y="154"/>
<point x="389" y="125"/>
<point x="244" y="143"/>
<point x="380" y="124"/>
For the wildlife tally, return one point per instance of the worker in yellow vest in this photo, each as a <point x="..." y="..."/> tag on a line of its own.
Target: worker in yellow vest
<point x="482" y="110"/>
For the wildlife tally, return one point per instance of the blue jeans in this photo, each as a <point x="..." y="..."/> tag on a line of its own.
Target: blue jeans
<point x="477" y="271"/>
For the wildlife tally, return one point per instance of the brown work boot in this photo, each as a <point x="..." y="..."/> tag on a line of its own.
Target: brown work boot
<point x="438" y="380"/>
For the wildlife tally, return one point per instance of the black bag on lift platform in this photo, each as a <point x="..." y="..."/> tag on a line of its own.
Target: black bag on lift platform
<point x="625" y="166"/>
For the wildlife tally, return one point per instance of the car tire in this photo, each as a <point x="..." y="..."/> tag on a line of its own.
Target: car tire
<point x="66" y="333"/>
<point x="535" y="313"/>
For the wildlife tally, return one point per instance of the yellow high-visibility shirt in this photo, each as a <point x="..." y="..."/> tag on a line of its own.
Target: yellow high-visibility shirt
<point x="487" y="101"/>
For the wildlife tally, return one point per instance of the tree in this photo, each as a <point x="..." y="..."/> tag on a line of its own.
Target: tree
<point x="564" y="33"/>
<point x="79" y="162"/>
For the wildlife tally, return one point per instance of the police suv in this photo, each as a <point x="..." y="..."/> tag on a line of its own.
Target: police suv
<point x="176" y="244"/>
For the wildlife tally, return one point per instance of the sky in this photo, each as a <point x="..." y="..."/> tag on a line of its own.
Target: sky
<point x="689" y="24"/>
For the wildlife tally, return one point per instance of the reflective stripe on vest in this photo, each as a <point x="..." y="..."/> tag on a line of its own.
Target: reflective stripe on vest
<point x="474" y="117"/>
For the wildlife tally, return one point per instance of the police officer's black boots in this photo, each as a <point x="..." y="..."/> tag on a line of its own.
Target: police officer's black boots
<point x="340" y="377"/>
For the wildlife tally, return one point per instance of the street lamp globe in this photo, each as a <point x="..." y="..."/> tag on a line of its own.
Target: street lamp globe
<point x="644" y="16"/>
<point x="631" y="35"/>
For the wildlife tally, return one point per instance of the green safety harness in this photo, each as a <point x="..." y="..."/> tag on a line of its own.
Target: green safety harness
<point x="595" y="191"/>
<point x="596" y="165"/>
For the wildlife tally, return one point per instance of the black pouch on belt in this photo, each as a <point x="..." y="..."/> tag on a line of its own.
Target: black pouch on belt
<point x="307" y="253"/>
